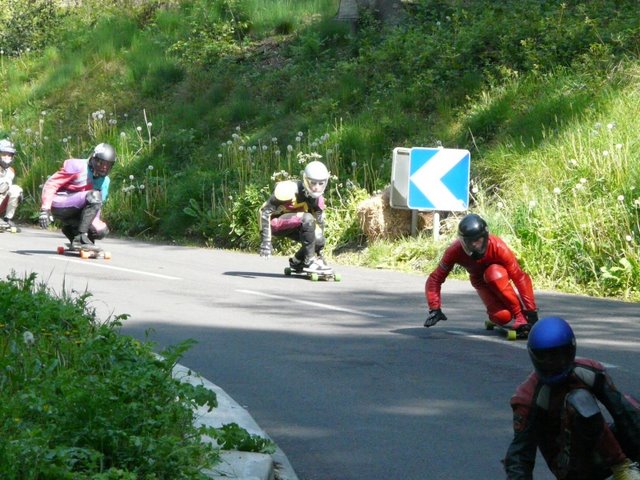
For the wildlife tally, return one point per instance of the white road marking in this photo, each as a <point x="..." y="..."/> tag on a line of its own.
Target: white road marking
<point x="93" y="263"/>
<point x="313" y="304"/>
<point x="521" y="344"/>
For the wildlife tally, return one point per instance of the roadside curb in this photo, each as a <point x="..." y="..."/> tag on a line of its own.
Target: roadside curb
<point x="236" y="465"/>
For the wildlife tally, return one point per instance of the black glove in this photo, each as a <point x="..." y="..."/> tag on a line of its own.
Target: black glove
<point x="45" y="218"/>
<point x="531" y="316"/>
<point x="434" y="317"/>
<point x="265" y="249"/>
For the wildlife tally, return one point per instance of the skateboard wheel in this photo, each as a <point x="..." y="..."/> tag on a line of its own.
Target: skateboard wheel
<point x="511" y="335"/>
<point x="107" y="255"/>
<point x="13" y="230"/>
<point x="287" y="271"/>
<point x="337" y="277"/>
<point x="84" y="254"/>
<point x="60" y="250"/>
<point x="314" y="277"/>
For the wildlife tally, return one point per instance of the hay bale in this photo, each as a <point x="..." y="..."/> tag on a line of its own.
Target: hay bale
<point x="381" y="222"/>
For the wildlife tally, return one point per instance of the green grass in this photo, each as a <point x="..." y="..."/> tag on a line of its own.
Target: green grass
<point x="200" y="89"/>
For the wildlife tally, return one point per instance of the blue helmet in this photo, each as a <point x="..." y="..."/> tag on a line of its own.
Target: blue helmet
<point x="552" y="348"/>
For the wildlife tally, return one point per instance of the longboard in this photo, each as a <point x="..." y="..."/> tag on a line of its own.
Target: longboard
<point x="313" y="276"/>
<point x="507" y="332"/>
<point x="84" y="252"/>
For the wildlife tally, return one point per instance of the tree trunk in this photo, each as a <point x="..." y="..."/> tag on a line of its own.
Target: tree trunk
<point x="389" y="11"/>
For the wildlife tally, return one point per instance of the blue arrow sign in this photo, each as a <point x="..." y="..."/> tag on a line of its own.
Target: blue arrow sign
<point x="439" y="179"/>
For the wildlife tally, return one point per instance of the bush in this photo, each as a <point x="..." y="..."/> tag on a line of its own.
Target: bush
<point x="78" y="400"/>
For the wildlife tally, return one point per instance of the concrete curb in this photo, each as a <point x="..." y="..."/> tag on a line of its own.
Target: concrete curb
<point x="236" y="465"/>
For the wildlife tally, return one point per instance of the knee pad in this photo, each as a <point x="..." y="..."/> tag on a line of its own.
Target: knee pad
<point x="94" y="197"/>
<point x="98" y="235"/>
<point x="582" y="402"/>
<point x="15" y="191"/>
<point x="583" y="414"/>
<point x="308" y="222"/>
<point x="495" y="274"/>
<point x="501" y="317"/>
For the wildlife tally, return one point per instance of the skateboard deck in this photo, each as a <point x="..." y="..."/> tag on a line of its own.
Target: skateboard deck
<point x="10" y="229"/>
<point x="313" y="276"/>
<point x="84" y="252"/>
<point x="507" y="332"/>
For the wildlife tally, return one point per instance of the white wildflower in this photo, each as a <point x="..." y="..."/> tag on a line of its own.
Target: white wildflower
<point x="28" y="338"/>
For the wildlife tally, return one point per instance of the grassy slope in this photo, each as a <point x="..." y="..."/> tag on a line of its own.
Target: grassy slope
<point x="530" y="95"/>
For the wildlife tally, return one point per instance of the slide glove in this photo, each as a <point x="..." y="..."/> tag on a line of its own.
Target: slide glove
<point x="45" y="219"/>
<point x="531" y="316"/>
<point x="265" y="249"/>
<point x="434" y="317"/>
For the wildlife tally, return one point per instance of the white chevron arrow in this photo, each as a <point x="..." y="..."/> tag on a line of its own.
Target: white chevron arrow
<point x="428" y="179"/>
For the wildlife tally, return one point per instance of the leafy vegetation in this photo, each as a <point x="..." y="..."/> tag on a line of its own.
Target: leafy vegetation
<point x="208" y="102"/>
<point x="79" y="400"/>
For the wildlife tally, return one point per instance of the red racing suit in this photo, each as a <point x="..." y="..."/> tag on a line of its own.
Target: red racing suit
<point x="491" y="276"/>
<point x="538" y="423"/>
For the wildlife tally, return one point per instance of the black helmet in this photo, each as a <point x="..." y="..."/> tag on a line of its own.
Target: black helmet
<point x="471" y="229"/>
<point x="552" y="348"/>
<point x="102" y="159"/>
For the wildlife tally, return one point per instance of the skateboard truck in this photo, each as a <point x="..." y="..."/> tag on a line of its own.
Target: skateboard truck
<point x="508" y="332"/>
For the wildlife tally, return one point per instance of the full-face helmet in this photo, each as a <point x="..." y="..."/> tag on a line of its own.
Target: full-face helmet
<point x="7" y="152"/>
<point x="102" y="159"/>
<point x="552" y="349"/>
<point x="473" y="235"/>
<point x="315" y="178"/>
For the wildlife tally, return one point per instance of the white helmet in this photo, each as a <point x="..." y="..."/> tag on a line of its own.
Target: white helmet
<point x="7" y="148"/>
<point x="315" y="178"/>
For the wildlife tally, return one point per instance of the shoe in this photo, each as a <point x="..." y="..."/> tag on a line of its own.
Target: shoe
<point x="80" y="240"/>
<point x="320" y="261"/>
<point x="9" y="222"/>
<point x="296" y="264"/>
<point x="522" y="331"/>
<point x="626" y="470"/>
<point x="317" y="265"/>
<point x="4" y="225"/>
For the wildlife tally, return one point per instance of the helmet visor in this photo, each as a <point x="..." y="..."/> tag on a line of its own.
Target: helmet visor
<point x="553" y="364"/>
<point x="315" y="188"/>
<point x="6" y="159"/>
<point x="101" y="168"/>
<point x="475" y="247"/>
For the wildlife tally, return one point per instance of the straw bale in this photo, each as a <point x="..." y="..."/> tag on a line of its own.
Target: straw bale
<point x="379" y="221"/>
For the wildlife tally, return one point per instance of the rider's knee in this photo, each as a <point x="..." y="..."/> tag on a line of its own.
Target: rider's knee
<point x="308" y="222"/>
<point x="583" y="413"/>
<point x="495" y="273"/>
<point x="98" y="234"/>
<point x="94" y="197"/>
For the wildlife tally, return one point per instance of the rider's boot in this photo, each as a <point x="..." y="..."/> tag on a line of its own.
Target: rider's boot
<point x="522" y="327"/>
<point x="81" y="240"/>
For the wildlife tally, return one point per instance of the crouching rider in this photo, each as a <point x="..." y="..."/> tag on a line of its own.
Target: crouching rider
<point x="10" y="194"/>
<point x="295" y="210"/>
<point x="74" y="195"/>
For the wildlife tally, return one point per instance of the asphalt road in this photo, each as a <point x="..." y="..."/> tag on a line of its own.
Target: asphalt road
<point x="341" y="375"/>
